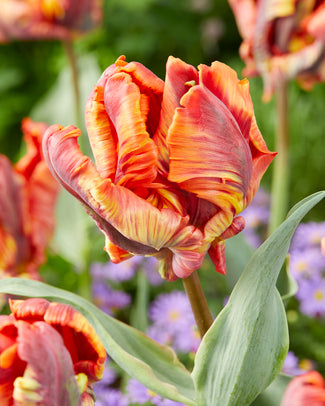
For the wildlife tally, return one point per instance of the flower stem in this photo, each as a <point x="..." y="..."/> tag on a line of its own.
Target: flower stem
<point x="68" y="46"/>
<point x="198" y="302"/>
<point x="280" y="179"/>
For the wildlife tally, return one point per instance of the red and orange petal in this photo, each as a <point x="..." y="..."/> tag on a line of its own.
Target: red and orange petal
<point x="314" y="23"/>
<point x="102" y="134"/>
<point x="262" y="158"/>
<point x="86" y="350"/>
<point x="245" y="12"/>
<point x="137" y="153"/>
<point x="201" y="132"/>
<point x="178" y="75"/>
<point x="223" y="82"/>
<point x="49" y="375"/>
<point x="32" y="134"/>
<point x="305" y="389"/>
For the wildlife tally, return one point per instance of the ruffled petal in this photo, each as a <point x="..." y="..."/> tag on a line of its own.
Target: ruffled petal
<point x="314" y="23"/>
<point x="223" y="82"/>
<point x="178" y="74"/>
<point x="102" y="134"/>
<point x="142" y="229"/>
<point x="217" y="256"/>
<point x="208" y="153"/>
<point x="87" y="352"/>
<point x="137" y="153"/>
<point x="49" y="376"/>
<point x="262" y="158"/>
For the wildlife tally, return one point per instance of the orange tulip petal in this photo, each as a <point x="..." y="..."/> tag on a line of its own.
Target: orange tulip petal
<point x="102" y="134"/>
<point x="200" y="134"/>
<point x="262" y="158"/>
<point x="49" y="368"/>
<point x="137" y="154"/>
<point x="87" y="352"/>
<point x="178" y="73"/>
<point x="223" y="82"/>
<point x="217" y="255"/>
<point x="314" y="23"/>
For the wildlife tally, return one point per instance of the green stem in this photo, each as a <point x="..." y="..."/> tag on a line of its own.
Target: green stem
<point x="68" y="46"/>
<point x="198" y="302"/>
<point x="280" y="179"/>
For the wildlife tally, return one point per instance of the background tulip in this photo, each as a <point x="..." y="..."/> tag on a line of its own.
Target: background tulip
<point x="49" y="355"/>
<point x="47" y="19"/>
<point x="307" y="389"/>
<point x="176" y="162"/>
<point x="282" y="40"/>
<point x="27" y="201"/>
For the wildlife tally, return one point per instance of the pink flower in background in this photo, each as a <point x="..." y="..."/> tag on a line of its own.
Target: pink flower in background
<point x="28" y="196"/>
<point x="305" y="390"/>
<point x="49" y="355"/>
<point x="282" y="40"/>
<point x="47" y="19"/>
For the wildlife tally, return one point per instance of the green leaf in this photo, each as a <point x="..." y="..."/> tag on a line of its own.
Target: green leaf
<point x="245" y="348"/>
<point x="154" y="365"/>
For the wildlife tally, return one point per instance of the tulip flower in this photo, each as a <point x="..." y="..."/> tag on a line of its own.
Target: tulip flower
<point x="49" y="355"/>
<point x="282" y="40"/>
<point x="305" y="390"/>
<point x="27" y="201"/>
<point x="48" y="19"/>
<point x="176" y="162"/>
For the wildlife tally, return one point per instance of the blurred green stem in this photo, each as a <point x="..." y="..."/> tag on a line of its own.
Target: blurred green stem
<point x="68" y="46"/>
<point x="280" y="179"/>
<point x="198" y="302"/>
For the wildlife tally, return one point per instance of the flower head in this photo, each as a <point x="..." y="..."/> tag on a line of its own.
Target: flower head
<point x="173" y="322"/>
<point x="49" y="354"/>
<point x="47" y="19"/>
<point x="282" y="40"/>
<point x="311" y="295"/>
<point x="307" y="389"/>
<point x="27" y="201"/>
<point x="176" y="162"/>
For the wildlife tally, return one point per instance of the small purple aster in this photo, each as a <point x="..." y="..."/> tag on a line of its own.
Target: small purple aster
<point x="107" y="299"/>
<point x="308" y="235"/>
<point x="173" y="322"/>
<point x="172" y="311"/>
<point x="291" y="365"/>
<point x="150" y="268"/>
<point x="123" y="271"/>
<point x="111" y="397"/>
<point x="311" y="295"/>
<point x="139" y="394"/>
<point x="307" y="263"/>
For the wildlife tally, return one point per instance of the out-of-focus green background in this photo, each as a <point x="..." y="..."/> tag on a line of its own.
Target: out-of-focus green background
<point x="197" y="31"/>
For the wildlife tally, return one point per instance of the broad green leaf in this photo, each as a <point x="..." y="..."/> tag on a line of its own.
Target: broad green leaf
<point x="154" y="365"/>
<point x="245" y="348"/>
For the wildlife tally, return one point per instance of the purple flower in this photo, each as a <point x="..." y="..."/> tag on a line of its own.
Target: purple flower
<point x="111" y="397"/>
<point x="105" y="394"/>
<point x="291" y="365"/>
<point x="115" y="272"/>
<point x="311" y="295"/>
<point x="138" y="393"/>
<point x="308" y="235"/>
<point x="173" y="322"/>
<point x="307" y="263"/>
<point x="150" y="268"/>
<point x="172" y="311"/>
<point x="107" y="299"/>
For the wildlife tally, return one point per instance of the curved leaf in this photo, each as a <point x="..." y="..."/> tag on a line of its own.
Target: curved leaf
<point x="154" y="365"/>
<point x="245" y="348"/>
